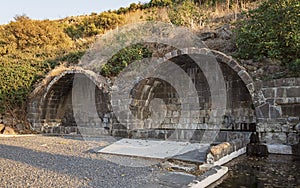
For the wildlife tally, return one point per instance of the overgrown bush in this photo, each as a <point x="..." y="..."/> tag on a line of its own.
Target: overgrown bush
<point x="25" y="46"/>
<point x="123" y="58"/>
<point x="16" y="81"/>
<point x="294" y="67"/>
<point x="273" y="31"/>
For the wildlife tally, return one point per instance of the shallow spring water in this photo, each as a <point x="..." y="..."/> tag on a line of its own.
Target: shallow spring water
<point x="272" y="171"/>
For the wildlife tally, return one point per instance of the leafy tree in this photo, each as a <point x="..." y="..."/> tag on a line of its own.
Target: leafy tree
<point x="186" y="14"/>
<point x="42" y="36"/>
<point x="93" y="25"/>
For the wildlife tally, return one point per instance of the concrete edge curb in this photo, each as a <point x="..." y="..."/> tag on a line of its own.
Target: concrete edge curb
<point x="216" y="171"/>
<point x="209" y="177"/>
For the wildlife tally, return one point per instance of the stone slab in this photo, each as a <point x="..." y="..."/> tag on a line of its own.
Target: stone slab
<point x="176" y="179"/>
<point x="151" y="148"/>
<point x="195" y="156"/>
<point x="279" y="149"/>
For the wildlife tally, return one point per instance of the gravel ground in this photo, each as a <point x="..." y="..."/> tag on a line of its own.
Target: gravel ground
<point x="40" y="161"/>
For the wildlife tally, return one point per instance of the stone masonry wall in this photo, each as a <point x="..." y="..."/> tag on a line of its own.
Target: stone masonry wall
<point x="238" y="114"/>
<point x="271" y="108"/>
<point x="279" y="115"/>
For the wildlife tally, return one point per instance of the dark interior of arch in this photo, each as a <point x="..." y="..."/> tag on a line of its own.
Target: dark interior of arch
<point x="57" y="115"/>
<point x="239" y="101"/>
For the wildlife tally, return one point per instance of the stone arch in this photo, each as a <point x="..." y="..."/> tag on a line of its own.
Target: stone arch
<point x="240" y="75"/>
<point x="50" y="106"/>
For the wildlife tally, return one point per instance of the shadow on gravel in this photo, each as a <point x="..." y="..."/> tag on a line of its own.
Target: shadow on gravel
<point x="92" y="169"/>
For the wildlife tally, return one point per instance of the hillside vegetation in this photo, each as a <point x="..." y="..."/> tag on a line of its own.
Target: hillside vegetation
<point x="31" y="48"/>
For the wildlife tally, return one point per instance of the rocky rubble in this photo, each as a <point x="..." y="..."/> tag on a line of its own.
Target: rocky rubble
<point x="12" y="125"/>
<point x="6" y="130"/>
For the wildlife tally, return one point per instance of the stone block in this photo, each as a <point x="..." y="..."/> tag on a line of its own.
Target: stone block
<point x="297" y="81"/>
<point x="268" y="92"/>
<point x="238" y="68"/>
<point x="275" y="138"/>
<point x="281" y="93"/>
<point x="232" y="63"/>
<point x="263" y="111"/>
<point x="251" y="88"/>
<point x="293" y="120"/>
<point x="221" y="137"/>
<point x="292" y="138"/>
<point x="275" y="127"/>
<point x="293" y="92"/>
<point x="278" y="101"/>
<point x="260" y="127"/>
<point x="219" y="150"/>
<point x="285" y="82"/>
<point x="271" y="101"/>
<point x="290" y="110"/>
<point x="245" y="77"/>
<point x="285" y="128"/>
<point x="258" y="150"/>
<point x="274" y="112"/>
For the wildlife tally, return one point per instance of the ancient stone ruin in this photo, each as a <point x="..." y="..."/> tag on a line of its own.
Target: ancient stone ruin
<point x="218" y="101"/>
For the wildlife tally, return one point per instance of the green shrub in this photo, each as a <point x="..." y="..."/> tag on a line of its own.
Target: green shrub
<point x="123" y="58"/>
<point x="294" y="67"/>
<point x="16" y="82"/>
<point x="272" y="30"/>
